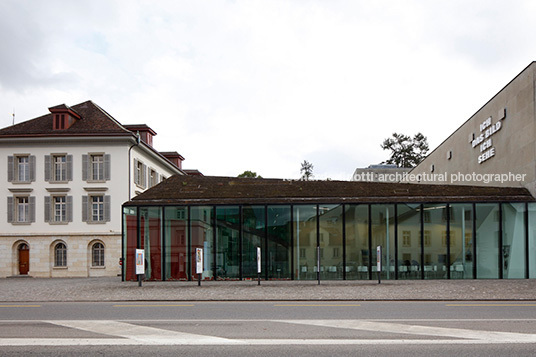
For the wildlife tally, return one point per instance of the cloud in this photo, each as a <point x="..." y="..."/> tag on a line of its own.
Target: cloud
<point x="263" y="85"/>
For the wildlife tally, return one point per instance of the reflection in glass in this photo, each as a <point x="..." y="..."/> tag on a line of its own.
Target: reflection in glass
<point x="305" y="238"/>
<point x="227" y="242"/>
<point x="532" y="240"/>
<point x="383" y="234"/>
<point x="202" y="237"/>
<point x="513" y="249"/>
<point x="487" y="240"/>
<point x="150" y="223"/>
<point x="331" y="243"/>
<point x="130" y="242"/>
<point x="409" y="241"/>
<point x="357" y="245"/>
<point x="435" y="240"/>
<point x="278" y="255"/>
<point x="253" y="237"/>
<point x="176" y="243"/>
<point x="461" y="241"/>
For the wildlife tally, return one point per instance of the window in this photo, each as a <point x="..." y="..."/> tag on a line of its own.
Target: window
<point x="96" y="209"/>
<point x="58" y="209"/>
<point x="303" y="253"/>
<point x="96" y="167"/>
<point x="21" y="209"/>
<point x="336" y="252"/>
<point x="60" y="255"/>
<point x="406" y="238"/>
<point x="58" y="168"/>
<point x="97" y="255"/>
<point x="21" y="168"/>
<point x="140" y="178"/>
<point x="153" y="178"/>
<point x="427" y="239"/>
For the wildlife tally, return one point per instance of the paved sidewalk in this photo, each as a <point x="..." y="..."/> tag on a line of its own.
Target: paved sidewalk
<point x="113" y="289"/>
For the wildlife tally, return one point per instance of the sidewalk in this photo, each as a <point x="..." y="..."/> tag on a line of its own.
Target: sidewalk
<point x="113" y="289"/>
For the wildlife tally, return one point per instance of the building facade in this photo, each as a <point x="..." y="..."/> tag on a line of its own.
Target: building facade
<point x="66" y="176"/>
<point x="496" y="146"/>
<point x="329" y="230"/>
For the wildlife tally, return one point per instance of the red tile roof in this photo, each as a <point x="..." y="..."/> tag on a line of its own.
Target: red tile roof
<point x="94" y="122"/>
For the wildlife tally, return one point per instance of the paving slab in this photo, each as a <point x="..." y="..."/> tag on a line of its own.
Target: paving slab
<point x="113" y="289"/>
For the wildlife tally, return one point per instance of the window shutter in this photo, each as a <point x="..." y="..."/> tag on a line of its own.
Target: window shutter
<point x="32" y="168"/>
<point x="143" y="176"/>
<point x="69" y="161"/>
<point x="69" y="208"/>
<point x="84" y="208"/>
<point x="31" y="201"/>
<point x="10" y="168"/>
<point x="107" y="167"/>
<point x="10" y="209"/>
<point x="48" y="208"/>
<point x="107" y="208"/>
<point x="48" y="164"/>
<point x="136" y="181"/>
<point x="85" y="164"/>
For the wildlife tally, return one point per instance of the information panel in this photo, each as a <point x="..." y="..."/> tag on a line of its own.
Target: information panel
<point x="140" y="262"/>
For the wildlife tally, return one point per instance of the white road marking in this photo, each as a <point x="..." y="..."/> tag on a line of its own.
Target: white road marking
<point x="508" y="337"/>
<point x="123" y="333"/>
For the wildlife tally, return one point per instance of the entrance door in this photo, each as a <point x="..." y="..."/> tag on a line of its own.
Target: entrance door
<point x="24" y="259"/>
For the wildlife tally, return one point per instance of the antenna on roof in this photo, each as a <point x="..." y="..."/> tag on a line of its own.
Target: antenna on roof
<point x="13" y="116"/>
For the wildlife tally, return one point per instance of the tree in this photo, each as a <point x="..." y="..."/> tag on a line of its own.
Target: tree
<point x="249" y="174"/>
<point x="406" y="151"/>
<point x="306" y="170"/>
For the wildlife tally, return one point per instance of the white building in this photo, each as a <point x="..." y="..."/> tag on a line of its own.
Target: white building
<point x="66" y="175"/>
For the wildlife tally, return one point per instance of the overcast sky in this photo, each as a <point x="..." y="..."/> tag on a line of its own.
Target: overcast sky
<point x="264" y="85"/>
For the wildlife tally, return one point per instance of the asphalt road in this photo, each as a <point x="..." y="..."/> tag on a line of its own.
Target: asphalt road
<point x="269" y="328"/>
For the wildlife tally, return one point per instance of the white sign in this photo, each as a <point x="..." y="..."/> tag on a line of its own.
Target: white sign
<point x="379" y="258"/>
<point x="140" y="261"/>
<point x="259" y="260"/>
<point x="198" y="260"/>
<point x="484" y="140"/>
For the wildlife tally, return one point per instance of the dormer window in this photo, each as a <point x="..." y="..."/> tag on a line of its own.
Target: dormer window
<point x="63" y="117"/>
<point x="59" y="122"/>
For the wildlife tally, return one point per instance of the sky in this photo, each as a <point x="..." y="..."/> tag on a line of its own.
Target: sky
<point x="264" y="85"/>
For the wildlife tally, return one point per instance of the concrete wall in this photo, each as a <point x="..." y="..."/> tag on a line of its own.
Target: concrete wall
<point x="513" y="145"/>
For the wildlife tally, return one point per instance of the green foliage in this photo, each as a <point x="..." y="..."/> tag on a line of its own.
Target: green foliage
<point x="250" y="174"/>
<point x="306" y="170"/>
<point x="406" y="151"/>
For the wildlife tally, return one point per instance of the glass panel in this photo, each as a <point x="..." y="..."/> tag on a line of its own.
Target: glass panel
<point x="253" y="237"/>
<point x="383" y="234"/>
<point x="487" y="241"/>
<point x="532" y="240"/>
<point x="150" y="223"/>
<point x="278" y="254"/>
<point x="513" y="248"/>
<point x="227" y="242"/>
<point x="130" y="242"/>
<point x="305" y="242"/>
<point x="176" y="243"/>
<point x="461" y="241"/>
<point x="357" y="251"/>
<point x="330" y="236"/>
<point x="435" y="240"/>
<point x="202" y="237"/>
<point x="409" y="241"/>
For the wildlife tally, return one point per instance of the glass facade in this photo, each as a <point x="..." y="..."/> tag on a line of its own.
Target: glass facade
<point x="333" y="241"/>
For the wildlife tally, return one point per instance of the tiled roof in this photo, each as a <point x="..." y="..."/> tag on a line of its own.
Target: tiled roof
<point x="179" y="190"/>
<point x="94" y="122"/>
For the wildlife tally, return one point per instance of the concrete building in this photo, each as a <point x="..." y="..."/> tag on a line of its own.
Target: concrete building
<point x="496" y="146"/>
<point x="380" y="173"/>
<point x="66" y="175"/>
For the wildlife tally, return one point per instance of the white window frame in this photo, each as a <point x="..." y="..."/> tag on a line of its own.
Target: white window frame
<point x="21" y="209"/>
<point x="59" y="164"/>
<point x="96" y="165"/>
<point x="96" y="208"/>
